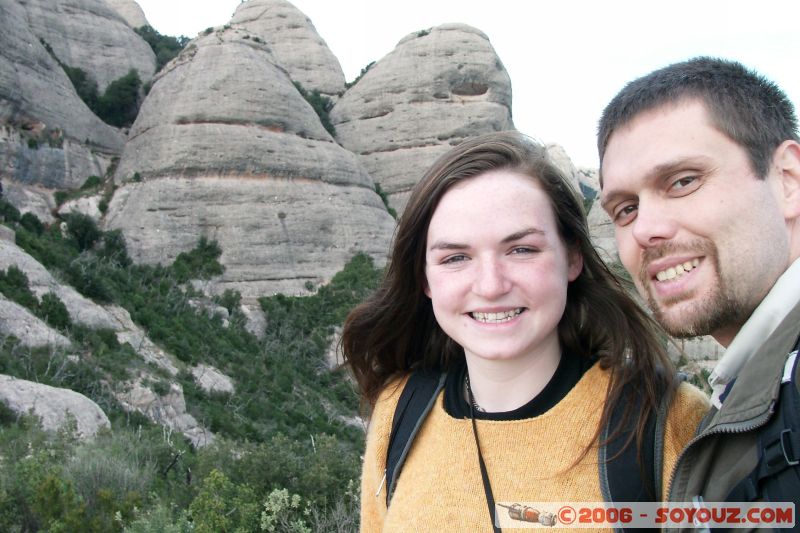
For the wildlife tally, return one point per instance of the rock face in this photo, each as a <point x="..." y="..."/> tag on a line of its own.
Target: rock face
<point x="436" y="89"/>
<point x="130" y="12"/>
<point x="55" y="407"/>
<point x="227" y="148"/>
<point x="31" y="331"/>
<point x="601" y="230"/>
<point x="295" y="44"/>
<point x="91" y="35"/>
<point x="47" y="134"/>
<point x="559" y="156"/>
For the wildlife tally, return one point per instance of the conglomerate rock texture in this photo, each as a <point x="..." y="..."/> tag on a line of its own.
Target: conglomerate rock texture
<point x="130" y="12"/>
<point x="437" y="88"/>
<point x="226" y="147"/>
<point x="48" y="136"/>
<point x="295" y="44"/>
<point x="91" y="35"/>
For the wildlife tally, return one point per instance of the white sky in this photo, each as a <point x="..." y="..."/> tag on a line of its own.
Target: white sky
<point x="566" y="58"/>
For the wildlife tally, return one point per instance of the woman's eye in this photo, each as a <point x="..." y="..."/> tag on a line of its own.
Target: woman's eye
<point x="523" y="250"/>
<point x="454" y="259"/>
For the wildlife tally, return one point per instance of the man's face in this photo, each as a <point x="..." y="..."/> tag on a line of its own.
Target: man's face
<point x="703" y="238"/>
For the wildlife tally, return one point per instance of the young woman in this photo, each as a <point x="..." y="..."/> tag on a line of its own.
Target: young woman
<point x="493" y="280"/>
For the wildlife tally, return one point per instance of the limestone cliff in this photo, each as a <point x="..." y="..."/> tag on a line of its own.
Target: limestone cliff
<point x="437" y="88"/>
<point x="295" y="44"/>
<point x="130" y="12"/>
<point x="226" y="147"/>
<point x="47" y="134"/>
<point x="91" y="35"/>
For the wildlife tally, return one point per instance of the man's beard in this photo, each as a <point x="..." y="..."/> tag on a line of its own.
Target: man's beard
<point x="721" y="308"/>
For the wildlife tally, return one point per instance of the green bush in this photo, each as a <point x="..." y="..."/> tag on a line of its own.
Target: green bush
<point x="321" y="105"/>
<point x="14" y="285"/>
<point x="119" y="104"/>
<point x="53" y="311"/>
<point x="92" y="182"/>
<point x="360" y="75"/>
<point x="8" y="212"/>
<point x="31" y="222"/>
<point x="199" y="263"/>
<point x="164" y="47"/>
<point x="83" y="229"/>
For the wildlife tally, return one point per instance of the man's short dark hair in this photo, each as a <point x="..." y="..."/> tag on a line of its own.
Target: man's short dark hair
<point x="751" y="110"/>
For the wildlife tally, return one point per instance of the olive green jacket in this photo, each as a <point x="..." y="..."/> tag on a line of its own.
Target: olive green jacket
<point x="725" y="448"/>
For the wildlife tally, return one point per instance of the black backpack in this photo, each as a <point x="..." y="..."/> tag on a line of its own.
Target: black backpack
<point x="776" y="478"/>
<point x="621" y="479"/>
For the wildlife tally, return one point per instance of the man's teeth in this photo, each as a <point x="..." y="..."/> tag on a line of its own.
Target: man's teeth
<point x="496" y="318"/>
<point x="677" y="271"/>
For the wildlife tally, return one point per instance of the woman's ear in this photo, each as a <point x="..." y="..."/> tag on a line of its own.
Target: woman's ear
<point x="575" y="258"/>
<point x="426" y="288"/>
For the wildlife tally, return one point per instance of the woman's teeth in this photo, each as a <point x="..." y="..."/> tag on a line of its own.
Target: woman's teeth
<point x="677" y="271"/>
<point x="496" y="318"/>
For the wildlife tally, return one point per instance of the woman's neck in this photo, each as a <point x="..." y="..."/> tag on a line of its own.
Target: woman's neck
<point x="504" y="385"/>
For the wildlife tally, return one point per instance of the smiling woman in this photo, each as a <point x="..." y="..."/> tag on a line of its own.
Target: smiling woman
<point x="494" y="286"/>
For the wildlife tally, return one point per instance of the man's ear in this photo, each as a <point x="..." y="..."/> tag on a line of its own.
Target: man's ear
<point x="787" y="163"/>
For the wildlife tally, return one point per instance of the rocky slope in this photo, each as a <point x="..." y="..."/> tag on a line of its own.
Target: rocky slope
<point x="294" y="42"/>
<point x="47" y="134"/>
<point x="130" y="12"/>
<point x="91" y="35"/>
<point x="437" y="88"/>
<point x="226" y="147"/>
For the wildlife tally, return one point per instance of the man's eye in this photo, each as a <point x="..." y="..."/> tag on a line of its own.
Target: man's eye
<point x="625" y="214"/>
<point x="683" y="182"/>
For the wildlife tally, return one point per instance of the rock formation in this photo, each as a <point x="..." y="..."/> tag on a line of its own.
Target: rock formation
<point x="55" y="407"/>
<point x="294" y="42"/>
<point x="91" y="35"/>
<point x="601" y="230"/>
<point x="226" y="147"/>
<point x="47" y="134"/>
<point x="437" y="88"/>
<point x="130" y="12"/>
<point x="32" y="332"/>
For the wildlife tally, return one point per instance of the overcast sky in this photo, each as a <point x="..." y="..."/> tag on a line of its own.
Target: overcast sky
<point x="566" y="58"/>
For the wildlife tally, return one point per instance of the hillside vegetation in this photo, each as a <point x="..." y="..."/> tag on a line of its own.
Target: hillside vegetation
<point x="287" y="452"/>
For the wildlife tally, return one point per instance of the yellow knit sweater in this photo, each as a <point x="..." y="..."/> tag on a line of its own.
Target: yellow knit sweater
<point x="440" y="487"/>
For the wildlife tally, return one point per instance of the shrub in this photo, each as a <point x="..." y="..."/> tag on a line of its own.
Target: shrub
<point x="119" y="105"/>
<point x="199" y="263"/>
<point x="164" y="47"/>
<point x="14" y="284"/>
<point x="385" y="200"/>
<point x="31" y="222"/>
<point x="8" y="212"/>
<point x="321" y="105"/>
<point x="53" y="311"/>
<point x="92" y="182"/>
<point x="360" y="75"/>
<point x="83" y="229"/>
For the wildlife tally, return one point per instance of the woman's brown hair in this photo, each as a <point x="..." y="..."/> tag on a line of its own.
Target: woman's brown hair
<point x="394" y="331"/>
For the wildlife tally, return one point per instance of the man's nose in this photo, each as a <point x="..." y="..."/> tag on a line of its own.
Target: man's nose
<point x="654" y="223"/>
<point x="491" y="280"/>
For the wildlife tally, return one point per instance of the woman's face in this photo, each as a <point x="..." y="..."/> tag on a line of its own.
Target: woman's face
<point x="496" y="268"/>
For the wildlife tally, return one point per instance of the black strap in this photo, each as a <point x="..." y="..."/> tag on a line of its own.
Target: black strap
<point x="487" y="486"/>
<point x="776" y="478"/>
<point x="413" y="407"/>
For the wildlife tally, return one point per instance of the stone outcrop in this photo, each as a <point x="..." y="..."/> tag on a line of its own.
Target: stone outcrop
<point x="32" y="332"/>
<point x="225" y="147"/>
<point x="212" y="380"/>
<point x="168" y="410"/>
<point x="559" y="157"/>
<point x="130" y="12"/>
<point x="601" y="230"/>
<point x="294" y="42"/>
<point x="47" y="134"/>
<point x="91" y="35"/>
<point x="55" y="407"/>
<point x="437" y="88"/>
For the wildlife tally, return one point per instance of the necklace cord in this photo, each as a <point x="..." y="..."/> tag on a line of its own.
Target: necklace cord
<point x="487" y="487"/>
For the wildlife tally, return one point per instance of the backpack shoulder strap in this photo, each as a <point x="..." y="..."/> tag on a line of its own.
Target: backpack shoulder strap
<point x="622" y="479"/>
<point x="415" y="403"/>
<point x="776" y="478"/>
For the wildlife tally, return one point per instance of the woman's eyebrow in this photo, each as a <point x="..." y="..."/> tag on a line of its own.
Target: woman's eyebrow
<point x="522" y="234"/>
